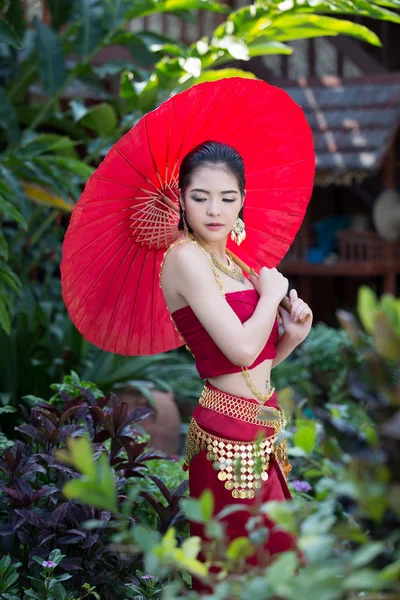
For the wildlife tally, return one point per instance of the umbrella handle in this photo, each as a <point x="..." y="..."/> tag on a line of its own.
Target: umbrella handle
<point x="285" y="302"/>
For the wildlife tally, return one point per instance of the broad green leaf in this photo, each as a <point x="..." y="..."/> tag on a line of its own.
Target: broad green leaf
<point x="386" y="339"/>
<point x="8" y="118"/>
<point x="364" y="579"/>
<point x="281" y="513"/>
<point x="88" y="14"/>
<point x="11" y="213"/>
<point x="216" y="75"/>
<point x="366" y="306"/>
<point x="207" y="505"/>
<point x="192" y="509"/>
<point x="51" y="58"/>
<point x="9" y="36"/>
<point x="79" y="454"/>
<point x="47" y="142"/>
<point x="16" y="18"/>
<point x="306" y="435"/>
<point x="367" y="553"/>
<point x="5" y="322"/>
<point x="71" y="164"/>
<point x="146" y="538"/>
<point x="102" y="119"/>
<point x="240" y="549"/>
<point x="282" y="569"/>
<point x="3" y="246"/>
<point x="295" y="26"/>
<point x="263" y="45"/>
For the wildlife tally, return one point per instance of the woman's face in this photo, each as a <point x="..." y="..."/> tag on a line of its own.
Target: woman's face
<point x="213" y="196"/>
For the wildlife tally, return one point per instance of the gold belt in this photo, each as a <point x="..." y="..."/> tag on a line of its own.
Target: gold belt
<point x="241" y="464"/>
<point x="232" y="406"/>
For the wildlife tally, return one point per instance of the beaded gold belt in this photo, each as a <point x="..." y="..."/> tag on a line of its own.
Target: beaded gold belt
<point x="241" y="464"/>
<point x="248" y="412"/>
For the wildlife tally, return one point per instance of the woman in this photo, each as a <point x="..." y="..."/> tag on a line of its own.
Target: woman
<point x="230" y="324"/>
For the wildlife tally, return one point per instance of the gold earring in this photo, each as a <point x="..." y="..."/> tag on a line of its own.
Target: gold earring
<point x="238" y="233"/>
<point x="185" y="227"/>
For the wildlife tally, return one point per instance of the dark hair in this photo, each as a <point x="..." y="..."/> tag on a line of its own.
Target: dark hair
<point x="211" y="153"/>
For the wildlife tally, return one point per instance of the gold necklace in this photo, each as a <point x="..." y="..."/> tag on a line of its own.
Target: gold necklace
<point x="262" y="397"/>
<point x="234" y="272"/>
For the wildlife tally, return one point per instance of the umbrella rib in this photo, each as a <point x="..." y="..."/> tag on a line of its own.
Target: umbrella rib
<point x="288" y="141"/>
<point x="183" y="135"/>
<point x="135" y="168"/>
<point x="268" y="235"/>
<point x="296" y="187"/>
<point x="294" y="162"/>
<point x="134" y="307"/>
<point x="133" y="187"/>
<point x="151" y="152"/>
<point x="95" y="240"/>
<point x="102" y="271"/>
<point x="100" y="219"/>
<point x="269" y="125"/>
<point x="283" y="212"/>
<point x="120" y="291"/>
<point x="167" y="147"/>
<point x="111" y="281"/>
<point x="246" y="96"/>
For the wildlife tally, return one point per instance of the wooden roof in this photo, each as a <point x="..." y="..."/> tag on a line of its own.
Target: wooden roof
<point x="354" y="123"/>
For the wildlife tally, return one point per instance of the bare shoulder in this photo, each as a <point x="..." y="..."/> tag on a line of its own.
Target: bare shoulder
<point x="181" y="263"/>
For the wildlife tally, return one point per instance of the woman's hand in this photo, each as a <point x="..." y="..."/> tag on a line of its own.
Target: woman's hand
<point x="291" y="322"/>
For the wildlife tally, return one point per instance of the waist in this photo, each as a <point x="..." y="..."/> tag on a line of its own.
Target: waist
<point x="236" y="416"/>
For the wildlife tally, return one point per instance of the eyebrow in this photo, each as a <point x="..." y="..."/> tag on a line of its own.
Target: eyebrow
<point x="206" y="192"/>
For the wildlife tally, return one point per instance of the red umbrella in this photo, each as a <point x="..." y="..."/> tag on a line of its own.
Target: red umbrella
<point x="128" y="213"/>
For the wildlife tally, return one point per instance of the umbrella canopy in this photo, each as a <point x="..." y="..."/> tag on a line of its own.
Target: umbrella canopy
<point x="128" y="213"/>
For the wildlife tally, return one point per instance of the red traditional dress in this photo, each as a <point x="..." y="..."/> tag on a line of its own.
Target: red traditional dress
<point x="226" y="428"/>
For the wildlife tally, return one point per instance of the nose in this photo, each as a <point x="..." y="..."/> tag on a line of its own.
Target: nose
<point x="213" y="208"/>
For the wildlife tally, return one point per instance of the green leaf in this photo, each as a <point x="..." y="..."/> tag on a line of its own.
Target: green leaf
<point x="51" y="58"/>
<point x="47" y="142"/>
<point x="282" y="569"/>
<point x="366" y="554"/>
<point x="364" y="579"/>
<point x="88" y="14"/>
<point x="281" y="513"/>
<point x="8" y="118"/>
<point x="72" y="165"/>
<point x="192" y="509"/>
<point x="263" y="45"/>
<point x="240" y="549"/>
<point x="207" y="505"/>
<point x="102" y="119"/>
<point x="9" y="36"/>
<point x="306" y="435"/>
<point x="3" y="246"/>
<point x="16" y="18"/>
<point x="298" y="26"/>
<point x="5" y="322"/>
<point x="146" y="538"/>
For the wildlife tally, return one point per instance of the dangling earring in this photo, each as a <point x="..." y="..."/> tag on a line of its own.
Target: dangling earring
<point x="185" y="227"/>
<point x="238" y="233"/>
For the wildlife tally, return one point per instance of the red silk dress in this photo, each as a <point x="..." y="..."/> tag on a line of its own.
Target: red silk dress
<point x="230" y="419"/>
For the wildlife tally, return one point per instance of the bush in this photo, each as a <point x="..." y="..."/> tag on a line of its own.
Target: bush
<point x="36" y="517"/>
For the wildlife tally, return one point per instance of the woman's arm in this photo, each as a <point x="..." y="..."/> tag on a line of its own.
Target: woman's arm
<point x="188" y="269"/>
<point x="285" y="346"/>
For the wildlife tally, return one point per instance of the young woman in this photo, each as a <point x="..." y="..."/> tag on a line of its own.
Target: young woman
<point x="230" y="324"/>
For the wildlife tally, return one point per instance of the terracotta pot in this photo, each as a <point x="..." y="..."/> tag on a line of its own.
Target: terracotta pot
<point x="164" y="426"/>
